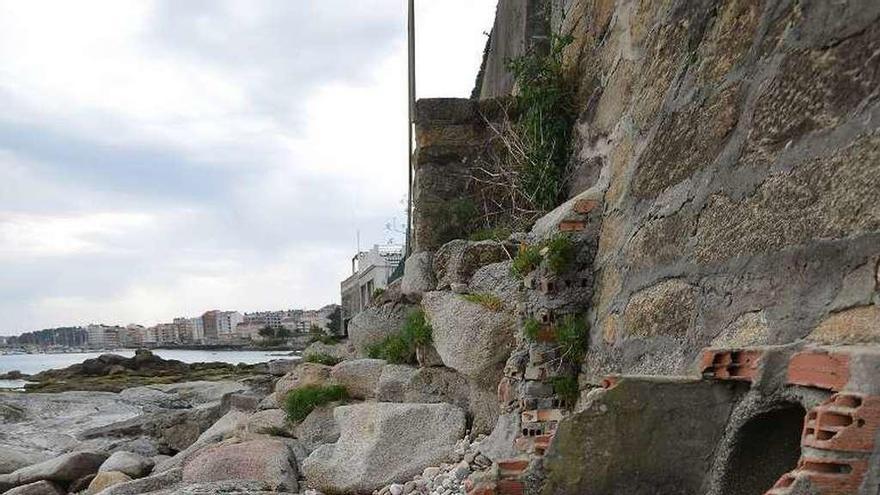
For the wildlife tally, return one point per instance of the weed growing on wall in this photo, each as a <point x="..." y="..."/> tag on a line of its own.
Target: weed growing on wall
<point x="545" y="118"/>
<point x="527" y="259"/>
<point x="531" y="328"/>
<point x="561" y="253"/>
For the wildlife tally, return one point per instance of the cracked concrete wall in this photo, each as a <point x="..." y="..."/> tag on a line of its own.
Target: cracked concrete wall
<point x="736" y="143"/>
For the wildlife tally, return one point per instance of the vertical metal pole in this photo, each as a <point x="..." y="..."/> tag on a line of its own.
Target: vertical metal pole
<point x="411" y="102"/>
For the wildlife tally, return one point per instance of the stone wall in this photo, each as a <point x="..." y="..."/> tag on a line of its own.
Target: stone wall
<point x="736" y="145"/>
<point x="520" y="25"/>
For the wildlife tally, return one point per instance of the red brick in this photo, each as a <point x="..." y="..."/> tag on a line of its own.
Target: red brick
<point x="505" y="392"/>
<point x="546" y="334"/>
<point x="483" y="489"/>
<point x="572" y="225"/>
<point x="610" y="381"/>
<point x="822" y="369"/>
<point x="845" y="422"/>
<point x="512" y="468"/>
<point x="826" y="476"/>
<point x="740" y="365"/>
<point x="510" y="487"/>
<point x="584" y="206"/>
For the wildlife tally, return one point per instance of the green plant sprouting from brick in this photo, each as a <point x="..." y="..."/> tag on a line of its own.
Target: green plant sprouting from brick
<point x="572" y="336"/>
<point x="545" y="116"/>
<point x="400" y="348"/>
<point x="526" y="260"/>
<point x="561" y="253"/>
<point x="531" y="329"/>
<point x="566" y="388"/>
<point x="302" y="401"/>
<point x="488" y="301"/>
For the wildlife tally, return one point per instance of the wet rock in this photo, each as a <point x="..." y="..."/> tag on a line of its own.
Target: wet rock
<point x="365" y="457"/>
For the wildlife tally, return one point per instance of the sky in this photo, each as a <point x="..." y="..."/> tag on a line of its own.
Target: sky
<point x="159" y="158"/>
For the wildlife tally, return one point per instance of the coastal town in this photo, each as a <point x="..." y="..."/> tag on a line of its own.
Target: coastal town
<point x="371" y="271"/>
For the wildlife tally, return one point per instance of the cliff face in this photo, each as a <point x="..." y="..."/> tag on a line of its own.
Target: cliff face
<point x="736" y="146"/>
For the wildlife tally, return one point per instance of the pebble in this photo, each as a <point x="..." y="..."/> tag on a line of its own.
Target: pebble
<point x="395" y="489"/>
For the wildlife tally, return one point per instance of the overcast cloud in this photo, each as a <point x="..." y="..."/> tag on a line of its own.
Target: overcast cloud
<point x="161" y="158"/>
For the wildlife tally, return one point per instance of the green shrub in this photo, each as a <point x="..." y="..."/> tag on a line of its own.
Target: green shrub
<point x="527" y="259"/>
<point x="531" y="328"/>
<point x="378" y="292"/>
<point x="400" y="348"/>
<point x="561" y="252"/>
<point x="417" y="330"/>
<point x="573" y="337"/>
<point x="302" y="401"/>
<point x="544" y="122"/>
<point x="488" y="301"/>
<point x="566" y="388"/>
<point x="322" y="358"/>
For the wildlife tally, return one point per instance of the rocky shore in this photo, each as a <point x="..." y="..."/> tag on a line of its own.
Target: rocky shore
<point x="113" y="373"/>
<point x="420" y="422"/>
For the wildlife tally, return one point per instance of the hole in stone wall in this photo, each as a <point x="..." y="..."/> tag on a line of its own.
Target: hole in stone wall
<point x="765" y="448"/>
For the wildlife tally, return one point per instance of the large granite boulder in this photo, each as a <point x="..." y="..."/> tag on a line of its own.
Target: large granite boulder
<point x="12" y="458"/>
<point x="303" y="375"/>
<point x="270" y="422"/>
<point x="127" y="463"/>
<point x="107" y="479"/>
<point x="340" y="350"/>
<point x="153" y="483"/>
<point x="458" y="260"/>
<point x="400" y="383"/>
<point x="418" y="276"/>
<point x="469" y="337"/>
<point x="319" y="428"/>
<point x="37" y="488"/>
<point x="382" y="443"/>
<point x="262" y="460"/>
<point x="373" y="324"/>
<point x="359" y="376"/>
<point x="223" y="429"/>
<point x="63" y="469"/>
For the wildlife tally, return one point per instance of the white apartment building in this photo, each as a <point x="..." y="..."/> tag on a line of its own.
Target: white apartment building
<point x="370" y="271"/>
<point x="103" y="336"/>
<point x="227" y="321"/>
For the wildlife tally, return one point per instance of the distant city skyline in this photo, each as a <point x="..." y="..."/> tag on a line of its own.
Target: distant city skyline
<point x="160" y="157"/>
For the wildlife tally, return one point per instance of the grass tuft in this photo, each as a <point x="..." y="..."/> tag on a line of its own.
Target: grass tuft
<point x="488" y="301"/>
<point x="302" y="401"/>
<point x="531" y="328"/>
<point x="400" y="348"/>
<point x="527" y="259"/>
<point x="561" y="253"/>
